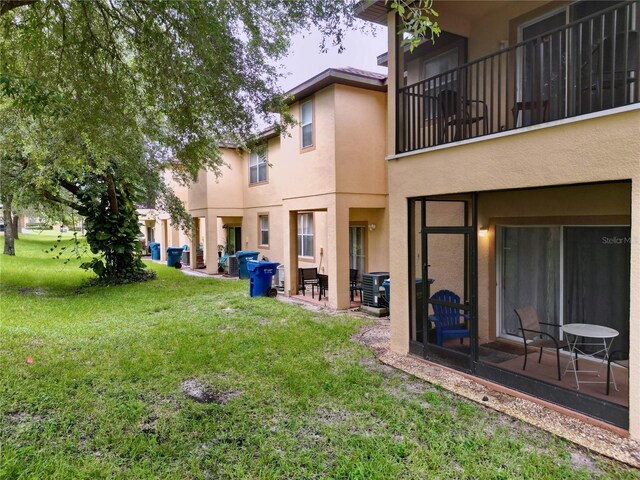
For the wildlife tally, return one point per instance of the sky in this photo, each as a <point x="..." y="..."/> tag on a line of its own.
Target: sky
<point x="305" y="59"/>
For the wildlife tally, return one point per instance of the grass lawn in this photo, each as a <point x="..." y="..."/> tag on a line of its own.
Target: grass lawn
<point x="289" y="394"/>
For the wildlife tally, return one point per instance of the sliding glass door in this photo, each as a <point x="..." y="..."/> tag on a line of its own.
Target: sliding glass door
<point x="596" y="278"/>
<point x="568" y="274"/>
<point x="530" y="275"/>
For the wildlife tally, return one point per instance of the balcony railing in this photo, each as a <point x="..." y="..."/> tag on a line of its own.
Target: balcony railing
<point x="582" y="67"/>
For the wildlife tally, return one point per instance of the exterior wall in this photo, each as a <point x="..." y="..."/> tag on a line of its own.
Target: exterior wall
<point x="360" y="140"/>
<point x="315" y="165"/>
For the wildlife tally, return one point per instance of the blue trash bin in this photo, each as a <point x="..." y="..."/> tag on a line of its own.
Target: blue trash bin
<point x="387" y="290"/>
<point x="243" y="256"/>
<point x="261" y="277"/>
<point x="174" y="257"/>
<point x="155" y="250"/>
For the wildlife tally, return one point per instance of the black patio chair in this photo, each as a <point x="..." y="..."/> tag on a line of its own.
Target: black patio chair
<point x="533" y="336"/>
<point x="306" y="277"/>
<point x="622" y="360"/>
<point x="354" y="285"/>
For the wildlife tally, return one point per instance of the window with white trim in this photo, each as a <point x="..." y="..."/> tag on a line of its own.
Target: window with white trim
<point x="305" y="234"/>
<point x="263" y="223"/>
<point x="257" y="168"/>
<point x="306" y="122"/>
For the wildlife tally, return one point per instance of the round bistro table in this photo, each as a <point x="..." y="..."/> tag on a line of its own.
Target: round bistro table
<point x="602" y="338"/>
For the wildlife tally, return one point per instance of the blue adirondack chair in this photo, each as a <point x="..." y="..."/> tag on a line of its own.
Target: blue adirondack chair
<point x="447" y="319"/>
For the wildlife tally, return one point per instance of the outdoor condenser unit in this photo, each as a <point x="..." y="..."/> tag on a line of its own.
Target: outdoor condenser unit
<point x="371" y="283"/>
<point x="233" y="269"/>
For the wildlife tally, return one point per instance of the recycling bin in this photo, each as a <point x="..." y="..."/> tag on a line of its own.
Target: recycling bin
<point x="155" y="250"/>
<point x="261" y="278"/>
<point x="243" y="256"/>
<point x="174" y="255"/>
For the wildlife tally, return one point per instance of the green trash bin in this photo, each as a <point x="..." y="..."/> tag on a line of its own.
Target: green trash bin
<point x="243" y="256"/>
<point x="174" y="257"/>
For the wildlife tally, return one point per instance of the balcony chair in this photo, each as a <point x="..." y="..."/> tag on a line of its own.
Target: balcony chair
<point x="623" y="361"/>
<point x="460" y="115"/>
<point x="613" y="68"/>
<point x="306" y="277"/>
<point x="354" y="285"/>
<point x="533" y="336"/>
<point x="447" y="319"/>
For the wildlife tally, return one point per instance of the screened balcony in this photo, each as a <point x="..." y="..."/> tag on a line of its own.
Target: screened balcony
<point x="582" y="67"/>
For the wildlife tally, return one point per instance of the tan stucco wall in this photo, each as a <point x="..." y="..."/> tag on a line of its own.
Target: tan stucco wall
<point x="311" y="171"/>
<point x="589" y="150"/>
<point x="360" y="140"/>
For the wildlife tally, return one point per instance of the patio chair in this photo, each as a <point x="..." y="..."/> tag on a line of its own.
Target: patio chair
<point x="323" y="286"/>
<point x="533" y="336"/>
<point x="623" y="361"/>
<point x="461" y="115"/>
<point x="354" y="286"/>
<point x="306" y="277"/>
<point x="447" y="319"/>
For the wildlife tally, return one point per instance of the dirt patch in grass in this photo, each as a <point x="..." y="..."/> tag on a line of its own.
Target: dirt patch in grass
<point x="38" y="292"/>
<point x="200" y="392"/>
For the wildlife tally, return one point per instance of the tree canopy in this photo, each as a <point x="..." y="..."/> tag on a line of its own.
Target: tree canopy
<point x="98" y="98"/>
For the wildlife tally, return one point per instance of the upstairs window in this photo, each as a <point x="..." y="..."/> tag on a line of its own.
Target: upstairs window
<point x="306" y="121"/>
<point x="257" y="168"/>
<point x="263" y="226"/>
<point x="305" y="235"/>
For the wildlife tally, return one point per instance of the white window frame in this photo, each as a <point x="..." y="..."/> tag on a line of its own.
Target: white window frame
<point x="308" y="124"/>
<point x="256" y="162"/>
<point x="262" y="230"/>
<point x="305" y="230"/>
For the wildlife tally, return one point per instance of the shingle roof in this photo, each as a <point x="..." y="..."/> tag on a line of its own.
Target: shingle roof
<point x="345" y="76"/>
<point x="362" y="73"/>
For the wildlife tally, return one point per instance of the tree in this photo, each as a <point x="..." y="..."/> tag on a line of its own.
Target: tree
<point x="108" y="94"/>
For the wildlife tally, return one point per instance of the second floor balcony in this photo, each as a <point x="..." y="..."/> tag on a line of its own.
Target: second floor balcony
<point x="558" y="69"/>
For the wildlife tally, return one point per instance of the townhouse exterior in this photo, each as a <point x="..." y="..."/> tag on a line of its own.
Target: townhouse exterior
<point x="513" y="159"/>
<point x="316" y="197"/>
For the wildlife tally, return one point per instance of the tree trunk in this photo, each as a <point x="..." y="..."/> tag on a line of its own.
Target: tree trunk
<point x="16" y="227"/>
<point x="9" y="248"/>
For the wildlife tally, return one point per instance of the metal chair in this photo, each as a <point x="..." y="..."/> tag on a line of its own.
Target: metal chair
<point x="460" y="115"/>
<point x="533" y="336"/>
<point x="447" y="319"/>
<point x="354" y="286"/>
<point x="623" y="361"/>
<point x="307" y="276"/>
<point x="323" y="286"/>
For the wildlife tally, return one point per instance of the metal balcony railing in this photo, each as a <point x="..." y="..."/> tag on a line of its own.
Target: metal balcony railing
<point x="582" y="67"/>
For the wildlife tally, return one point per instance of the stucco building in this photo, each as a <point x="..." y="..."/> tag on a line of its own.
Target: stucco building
<point x="514" y="181"/>
<point x="317" y="197"/>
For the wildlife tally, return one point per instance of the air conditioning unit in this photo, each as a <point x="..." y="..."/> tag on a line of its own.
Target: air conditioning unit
<point x="233" y="268"/>
<point x="371" y="285"/>
<point x="280" y="277"/>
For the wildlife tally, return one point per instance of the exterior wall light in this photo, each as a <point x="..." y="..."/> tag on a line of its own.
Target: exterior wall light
<point x="372" y="227"/>
<point x="483" y="232"/>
